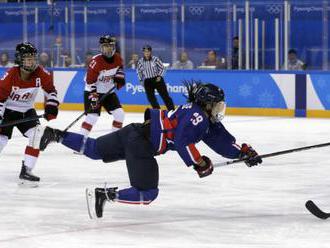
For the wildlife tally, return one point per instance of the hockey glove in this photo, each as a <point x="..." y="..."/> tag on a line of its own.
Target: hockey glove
<point x="119" y="84"/>
<point x="119" y="78"/>
<point x="94" y="101"/>
<point x="51" y="112"/>
<point x="205" y="168"/>
<point x="249" y="155"/>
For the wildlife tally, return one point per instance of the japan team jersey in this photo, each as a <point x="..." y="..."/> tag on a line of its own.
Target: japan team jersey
<point x="182" y="128"/>
<point x="19" y="95"/>
<point x="101" y="73"/>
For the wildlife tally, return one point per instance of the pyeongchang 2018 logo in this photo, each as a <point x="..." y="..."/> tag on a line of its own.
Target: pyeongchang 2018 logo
<point x="196" y="10"/>
<point x="274" y="9"/>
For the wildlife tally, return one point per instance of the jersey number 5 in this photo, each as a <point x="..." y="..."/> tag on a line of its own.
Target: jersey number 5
<point x="197" y="118"/>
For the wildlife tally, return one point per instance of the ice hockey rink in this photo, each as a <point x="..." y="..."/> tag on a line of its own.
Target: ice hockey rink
<point x="235" y="207"/>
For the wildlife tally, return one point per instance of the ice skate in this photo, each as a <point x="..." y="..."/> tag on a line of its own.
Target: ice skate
<point x="27" y="178"/>
<point x="100" y="196"/>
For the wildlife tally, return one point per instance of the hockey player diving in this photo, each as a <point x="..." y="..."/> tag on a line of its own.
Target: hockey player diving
<point x="18" y="89"/>
<point x="139" y="143"/>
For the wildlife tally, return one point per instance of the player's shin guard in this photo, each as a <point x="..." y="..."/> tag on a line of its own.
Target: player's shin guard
<point x="90" y="149"/>
<point x="86" y="128"/>
<point x="133" y="195"/>
<point x="74" y="141"/>
<point x="88" y="124"/>
<point x="130" y="195"/>
<point x="30" y="157"/>
<point x="118" y="119"/>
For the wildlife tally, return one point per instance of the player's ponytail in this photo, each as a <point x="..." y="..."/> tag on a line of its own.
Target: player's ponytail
<point x="191" y="86"/>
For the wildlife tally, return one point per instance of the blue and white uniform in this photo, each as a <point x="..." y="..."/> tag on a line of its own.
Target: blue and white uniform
<point x="187" y="125"/>
<point x="138" y="144"/>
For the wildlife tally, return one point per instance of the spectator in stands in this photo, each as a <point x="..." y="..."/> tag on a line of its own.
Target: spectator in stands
<point x="212" y="60"/>
<point x="44" y="59"/>
<point x="293" y="62"/>
<point x="183" y="62"/>
<point x="88" y="58"/>
<point x="4" y="60"/>
<point x="132" y="64"/>
<point x="67" y="61"/>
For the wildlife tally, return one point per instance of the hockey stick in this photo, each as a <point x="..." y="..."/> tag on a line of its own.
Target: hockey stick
<point x="314" y="209"/>
<point x="13" y="123"/>
<point x="273" y="154"/>
<point x="80" y="116"/>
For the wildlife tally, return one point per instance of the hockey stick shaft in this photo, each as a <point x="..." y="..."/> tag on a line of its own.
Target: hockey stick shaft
<point x="273" y="154"/>
<point x="81" y="115"/>
<point x="13" y="123"/>
<point x="74" y="122"/>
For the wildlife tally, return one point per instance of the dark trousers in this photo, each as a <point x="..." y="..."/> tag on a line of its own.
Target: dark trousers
<point x="131" y="144"/>
<point x="150" y="85"/>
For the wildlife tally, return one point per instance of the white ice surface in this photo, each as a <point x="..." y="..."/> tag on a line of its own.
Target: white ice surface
<point x="235" y="207"/>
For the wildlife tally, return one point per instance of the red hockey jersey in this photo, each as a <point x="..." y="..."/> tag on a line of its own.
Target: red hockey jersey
<point x="19" y="95"/>
<point x="102" y="74"/>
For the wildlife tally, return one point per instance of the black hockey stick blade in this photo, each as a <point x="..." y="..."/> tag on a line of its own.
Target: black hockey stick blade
<point x="311" y="206"/>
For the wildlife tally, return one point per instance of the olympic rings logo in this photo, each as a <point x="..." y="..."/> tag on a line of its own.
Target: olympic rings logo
<point x="123" y="11"/>
<point x="274" y="9"/>
<point x="196" y="10"/>
<point x="55" y="11"/>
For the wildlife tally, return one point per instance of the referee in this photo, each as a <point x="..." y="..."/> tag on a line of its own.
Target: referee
<point x="150" y="70"/>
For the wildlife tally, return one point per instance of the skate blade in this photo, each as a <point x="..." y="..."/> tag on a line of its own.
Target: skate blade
<point x="27" y="184"/>
<point x="90" y="200"/>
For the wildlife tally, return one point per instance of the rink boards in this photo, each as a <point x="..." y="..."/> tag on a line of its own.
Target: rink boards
<point x="247" y="92"/>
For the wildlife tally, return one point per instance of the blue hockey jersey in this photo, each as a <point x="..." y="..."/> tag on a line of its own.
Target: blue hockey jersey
<point x="182" y="128"/>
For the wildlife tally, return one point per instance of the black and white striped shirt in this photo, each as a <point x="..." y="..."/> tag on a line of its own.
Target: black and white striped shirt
<point x="150" y="68"/>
